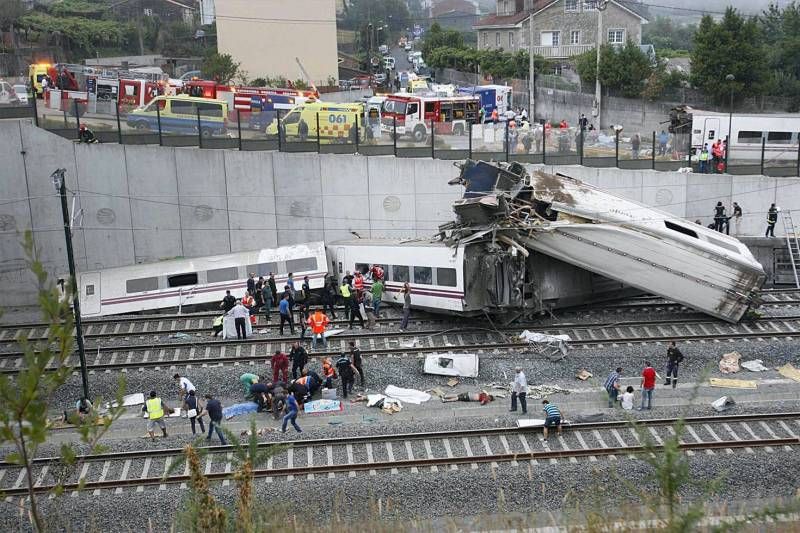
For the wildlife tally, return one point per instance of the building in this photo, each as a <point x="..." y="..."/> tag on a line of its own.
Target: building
<point x="561" y="28"/>
<point x="457" y="15"/>
<point x="207" y="12"/>
<point x="266" y="41"/>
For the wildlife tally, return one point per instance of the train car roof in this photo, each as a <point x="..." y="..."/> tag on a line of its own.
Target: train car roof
<point x="388" y="242"/>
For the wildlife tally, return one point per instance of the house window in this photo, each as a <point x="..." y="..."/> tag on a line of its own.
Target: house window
<point x="575" y="37"/>
<point x="486" y="39"/>
<point x="511" y="40"/>
<point x="590" y="5"/>
<point x="148" y="12"/>
<point x="497" y="39"/>
<point x="571" y="6"/>
<point x="616" y="36"/>
<point x="550" y="38"/>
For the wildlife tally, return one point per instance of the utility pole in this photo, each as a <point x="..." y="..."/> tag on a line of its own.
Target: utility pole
<point x="61" y="187"/>
<point x="600" y="6"/>
<point x="531" y="74"/>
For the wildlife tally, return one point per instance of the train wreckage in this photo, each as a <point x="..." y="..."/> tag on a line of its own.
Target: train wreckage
<point x="542" y="234"/>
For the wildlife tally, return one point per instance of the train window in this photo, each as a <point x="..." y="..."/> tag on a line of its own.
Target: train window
<point x="400" y="273"/>
<point x="363" y="268"/>
<point x="446" y="277"/>
<point x="779" y="137"/>
<point x="141" y="285"/>
<point x="749" y="137"/>
<point x="222" y="274"/>
<point x="182" y="280"/>
<point x="262" y="269"/>
<point x="304" y="264"/>
<point x="423" y="275"/>
<point x="89" y="290"/>
<point x="680" y="229"/>
<point x="722" y="244"/>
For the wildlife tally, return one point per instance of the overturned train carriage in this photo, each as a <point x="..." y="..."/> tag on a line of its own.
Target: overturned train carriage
<point x="565" y="219"/>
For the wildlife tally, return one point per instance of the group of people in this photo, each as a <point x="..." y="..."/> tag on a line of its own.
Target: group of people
<point x="647" y="383"/>
<point x="722" y="221"/>
<point x="713" y="159"/>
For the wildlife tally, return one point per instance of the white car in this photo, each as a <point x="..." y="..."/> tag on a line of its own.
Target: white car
<point x="408" y="47"/>
<point x="22" y="93"/>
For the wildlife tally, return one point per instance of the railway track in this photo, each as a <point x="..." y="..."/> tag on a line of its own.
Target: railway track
<point x="161" y="324"/>
<point x="206" y="352"/>
<point x="418" y="452"/>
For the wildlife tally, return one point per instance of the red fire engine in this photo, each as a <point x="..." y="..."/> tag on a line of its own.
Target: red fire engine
<point x="413" y="115"/>
<point x="247" y="99"/>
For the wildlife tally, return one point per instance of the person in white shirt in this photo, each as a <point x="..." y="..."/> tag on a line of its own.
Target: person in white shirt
<point x="518" y="390"/>
<point x="240" y="315"/>
<point x="185" y="386"/>
<point x="627" y="399"/>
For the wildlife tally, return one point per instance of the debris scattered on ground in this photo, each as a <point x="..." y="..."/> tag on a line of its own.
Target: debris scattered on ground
<point x="584" y="374"/>
<point x="457" y="364"/>
<point x="436" y="391"/>
<point x="723" y="404"/>
<point x="407" y="395"/>
<point x="413" y="343"/>
<point x="789" y="371"/>
<point x="539" y="392"/>
<point x="261" y="432"/>
<point x="733" y="383"/>
<point x="452" y="382"/>
<point x="729" y="363"/>
<point x="756" y="365"/>
<point x="322" y="406"/>
<point x="180" y="335"/>
<point x="553" y="346"/>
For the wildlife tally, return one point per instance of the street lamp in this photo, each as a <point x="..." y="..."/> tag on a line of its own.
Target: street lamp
<point x="729" y="78"/>
<point x="61" y="188"/>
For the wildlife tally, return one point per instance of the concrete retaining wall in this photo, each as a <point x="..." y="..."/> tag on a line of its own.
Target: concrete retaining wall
<point x="145" y="203"/>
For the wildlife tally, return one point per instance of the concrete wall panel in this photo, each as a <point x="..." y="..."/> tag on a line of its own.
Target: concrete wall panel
<point x="665" y="191"/>
<point x="204" y="202"/>
<point x="434" y="197"/>
<point x="106" y="211"/>
<point x="345" y="198"/>
<point x="153" y="187"/>
<point x="702" y="194"/>
<point x="298" y="198"/>
<point x="15" y="209"/>
<point x="251" y="200"/>
<point x="754" y="195"/>
<point x="392" y="197"/>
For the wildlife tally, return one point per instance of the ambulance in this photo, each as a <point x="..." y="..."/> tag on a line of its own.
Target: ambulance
<point x="37" y="72"/>
<point x="337" y="122"/>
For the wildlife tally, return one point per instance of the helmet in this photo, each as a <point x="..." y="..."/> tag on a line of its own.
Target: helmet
<point x="83" y="127"/>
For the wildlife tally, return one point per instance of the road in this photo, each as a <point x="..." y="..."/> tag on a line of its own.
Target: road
<point x="400" y="59"/>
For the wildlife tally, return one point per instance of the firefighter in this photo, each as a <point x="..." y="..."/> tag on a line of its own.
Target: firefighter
<point x="86" y="135"/>
<point x="318" y="322"/>
<point x="772" y="219"/>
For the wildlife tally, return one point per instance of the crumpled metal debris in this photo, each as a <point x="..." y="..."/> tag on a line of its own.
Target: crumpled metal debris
<point x="729" y="363"/>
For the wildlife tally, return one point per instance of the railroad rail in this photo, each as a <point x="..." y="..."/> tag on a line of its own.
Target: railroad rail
<point x="160" y="324"/>
<point x="479" y="340"/>
<point x="416" y="451"/>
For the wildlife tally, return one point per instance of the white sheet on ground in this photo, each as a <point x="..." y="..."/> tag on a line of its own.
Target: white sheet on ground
<point x="756" y="365"/>
<point x="407" y="395"/>
<point x="455" y="364"/>
<point x="129" y="400"/>
<point x="332" y="332"/>
<point x="530" y="422"/>
<point x="532" y="336"/>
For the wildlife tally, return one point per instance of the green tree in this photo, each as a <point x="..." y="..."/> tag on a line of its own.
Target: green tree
<point x="625" y="69"/>
<point x="664" y="34"/>
<point x="27" y="399"/>
<point x="781" y="37"/>
<point x="220" y="67"/>
<point x="731" y="46"/>
<point x="361" y="13"/>
<point x="436" y="37"/>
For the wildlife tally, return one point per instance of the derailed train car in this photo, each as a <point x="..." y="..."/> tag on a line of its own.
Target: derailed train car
<point x="620" y="239"/>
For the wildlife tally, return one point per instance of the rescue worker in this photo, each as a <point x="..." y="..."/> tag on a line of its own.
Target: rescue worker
<point x="86" y="135"/>
<point x="259" y="392"/>
<point x="358" y="282"/>
<point x="306" y="290"/>
<point x="329" y="297"/>
<point x="328" y="372"/>
<point x="674" y="359"/>
<point x="716" y="156"/>
<point x="302" y="316"/>
<point x="347" y="372"/>
<point x="704" y="160"/>
<point x="719" y="217"/>
<point x="155" y="409"/>
<point x="355" y="356"/>
<point x="376" y="272"/>
<point x="228" y="302"/>
<point x="286" y="314"/>
<point x="772" y="219"/>
<point x="278" y="399"/>
<point x="318" y="322"/>
<point x="247" y="381"/>
<point x="268" y="300"/>
<point x="251" y="283"/>
<point x="216" y="326"/>
<point x="280" y="365"/>
<point x="250" y="303"/>
<point x="377" y="296"/>
<point x="355" y="311"/>
<point x="346" y="297"/>
<point x="737" y="218"/>
<point x="299" y="358"/>
<point x="495" y="115"/>
<point x="273" y="287"/>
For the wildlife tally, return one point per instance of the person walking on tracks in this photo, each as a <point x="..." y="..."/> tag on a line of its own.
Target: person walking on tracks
<point x="214" y="412"/>
<point x="552" y="418"/>
<point x="193" y="411"/>
<point x="648" y="384"/>
<point x="406" y="292"/>
<point x="519" y="389"/>
<point x="612" y="386"/>
<point x="291" y="413"/>
<point x="156" y="409"/>
<point x="286" y="314"/>
<point x="280" y="366"/>
<point x="355" y="356"/>
<point x="318" y="321"/>
<point x="674" y="359"/>
<point x="347" y="372"/>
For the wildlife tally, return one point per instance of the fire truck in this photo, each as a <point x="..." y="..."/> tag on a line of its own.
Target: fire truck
<point x="414" y="115"/>
<point x="257" y="106"/>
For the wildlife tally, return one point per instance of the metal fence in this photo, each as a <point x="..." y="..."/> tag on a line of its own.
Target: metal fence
<point x="452" y="139"/>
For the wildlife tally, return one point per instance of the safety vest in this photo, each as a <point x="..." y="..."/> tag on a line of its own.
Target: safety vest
<point x="704" y="156"/>
<point x="154" y="408"/>
<point x="318" y="321"/>
<point x="494" y="114"/>
<point x="359" y="282"/>
<point x="345" y="288"/>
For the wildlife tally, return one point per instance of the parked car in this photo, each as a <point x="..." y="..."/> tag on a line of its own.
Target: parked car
<point x="191" y="74"/>
<point x="8" y="96"/>
<point x="22" y="93"/>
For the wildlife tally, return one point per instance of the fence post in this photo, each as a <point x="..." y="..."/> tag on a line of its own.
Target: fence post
<point x="77" y="117"/>
<point x="433" y="141"/>
<point x="318" y="134"/>
<point x="689" y="150"/>
<point x="580" y="154"/>
<point x="506" y="142"/>
<point x="280" y="132"/>
<point x="727" y="152"/>
<point x="357" y="132"/>
<point x="798" y="160"/>
<point x="763" y="148"/>
<point x="239" y="126"/>
<point x="394" y="135"/>
<point x="470" y="140"/>
<point x="616" y="148"/>
<point x="544" y="146"/>
<point x="158" y="118"/>
<point x="35" y="106"/>
<point x="119" y="124"/>
<point x="653" y="155"/>
<point x="199" y="130"/>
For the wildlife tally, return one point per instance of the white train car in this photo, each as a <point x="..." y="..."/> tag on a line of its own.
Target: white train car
<point x="181" y="282"/>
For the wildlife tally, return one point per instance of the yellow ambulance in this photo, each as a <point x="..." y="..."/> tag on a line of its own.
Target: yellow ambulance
<point x="337" y="122"/>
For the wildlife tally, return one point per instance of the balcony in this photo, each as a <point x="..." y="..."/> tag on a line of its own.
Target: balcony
<point x="563" y="51"/>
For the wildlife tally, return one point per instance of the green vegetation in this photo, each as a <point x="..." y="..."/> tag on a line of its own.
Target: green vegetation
<point x="83" y="36"/>
<point x="220" y="67"/>
<point x="664" y="34"/>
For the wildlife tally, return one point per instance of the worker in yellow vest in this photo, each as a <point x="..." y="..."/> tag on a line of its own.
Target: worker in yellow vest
<point x="347" y="296"/>
<point x="155" y="410"/>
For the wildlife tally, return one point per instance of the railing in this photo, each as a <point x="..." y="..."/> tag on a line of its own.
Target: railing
<point x="454" y="139"/>
<point x="562" y="51"/>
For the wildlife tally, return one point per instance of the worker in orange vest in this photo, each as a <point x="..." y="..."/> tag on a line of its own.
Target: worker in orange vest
<point x="318" y="322"/>
<point x="249" y="302"/>
<point x="495" y="116"/>
<point x="328" y="373"/>
<point x="358" y="281"/>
